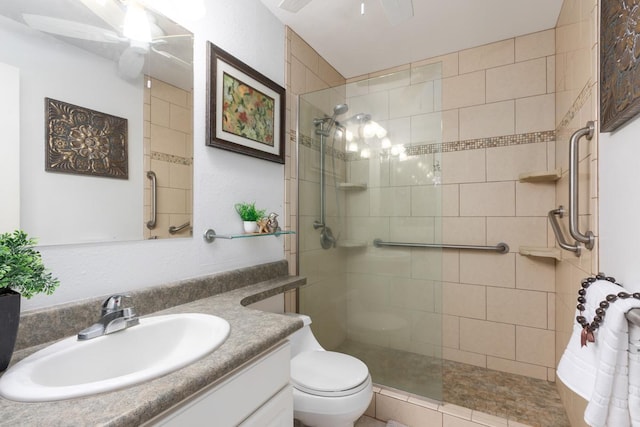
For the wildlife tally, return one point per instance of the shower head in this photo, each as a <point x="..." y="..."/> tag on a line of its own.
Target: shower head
<point x="359" y="118"/>
<point x="326" y="122"/>
<point x="340" y="109"/>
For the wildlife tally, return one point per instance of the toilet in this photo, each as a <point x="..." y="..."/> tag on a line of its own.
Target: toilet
<point x="330" y="389"/>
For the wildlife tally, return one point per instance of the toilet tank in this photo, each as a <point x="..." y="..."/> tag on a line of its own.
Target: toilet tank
<point x="303" y="339"/>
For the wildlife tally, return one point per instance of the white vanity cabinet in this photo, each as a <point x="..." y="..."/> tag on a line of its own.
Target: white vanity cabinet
<point x="258" y="394"/>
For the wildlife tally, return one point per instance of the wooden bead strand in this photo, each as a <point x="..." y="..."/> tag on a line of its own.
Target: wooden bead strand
<point x="589" y="328"/>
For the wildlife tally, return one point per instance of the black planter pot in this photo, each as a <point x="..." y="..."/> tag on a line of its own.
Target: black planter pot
<point x="9" y="321"/>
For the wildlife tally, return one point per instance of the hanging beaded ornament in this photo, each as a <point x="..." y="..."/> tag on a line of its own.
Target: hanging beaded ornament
<point x="589" y="328"/>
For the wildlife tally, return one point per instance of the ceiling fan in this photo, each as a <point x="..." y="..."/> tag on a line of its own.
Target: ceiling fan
<point x="397" y="11"/>
<point x="135" y="45"/>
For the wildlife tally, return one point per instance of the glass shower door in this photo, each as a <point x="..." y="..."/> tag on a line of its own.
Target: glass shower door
<point x="370" y="171"/>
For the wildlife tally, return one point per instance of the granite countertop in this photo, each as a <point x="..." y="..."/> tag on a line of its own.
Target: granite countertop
<point x="252" y="333"/>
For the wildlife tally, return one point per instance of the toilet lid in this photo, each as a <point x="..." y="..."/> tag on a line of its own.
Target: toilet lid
<point x="328" y="373"/>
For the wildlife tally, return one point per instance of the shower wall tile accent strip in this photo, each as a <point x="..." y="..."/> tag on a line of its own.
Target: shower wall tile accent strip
<point x="577" y="105"/>
<point x="480" y="143"/>
<point x="170" y="158"/>
<point x="445" y="147"/>
<point x="315" y="145"/>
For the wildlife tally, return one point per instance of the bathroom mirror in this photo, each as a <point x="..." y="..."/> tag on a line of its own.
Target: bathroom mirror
<point x="121" y="78"/>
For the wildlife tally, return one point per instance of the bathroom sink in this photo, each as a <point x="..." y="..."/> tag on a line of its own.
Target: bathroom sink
<point x="72" y="368"/>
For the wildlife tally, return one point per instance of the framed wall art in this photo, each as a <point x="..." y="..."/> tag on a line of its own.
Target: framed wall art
<point x="245" y="109"/>
<point x="619" y="63"/>
<point x="82" y="141"/>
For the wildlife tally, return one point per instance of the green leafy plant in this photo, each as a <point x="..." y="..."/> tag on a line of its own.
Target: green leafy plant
<point x="248" y="211"/>
<point x="21" y="266"/>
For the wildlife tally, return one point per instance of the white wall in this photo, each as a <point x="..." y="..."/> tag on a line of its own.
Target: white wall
<point x="620" y="204"/>
<point x="10" y="147"/>
<point x="247" y="30"/>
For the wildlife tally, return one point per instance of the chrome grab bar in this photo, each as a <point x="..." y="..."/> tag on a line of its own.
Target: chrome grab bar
<point x="151" y="224"/>
<point x="587" y="239"/>
<point x="501" y="247"/>
<point x="633" y="316"/>
<point x="173" y="229"/>
<point x="577" y="248"/>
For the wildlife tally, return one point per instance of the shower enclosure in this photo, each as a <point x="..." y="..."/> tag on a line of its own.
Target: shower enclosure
<point x="369" y="168"/>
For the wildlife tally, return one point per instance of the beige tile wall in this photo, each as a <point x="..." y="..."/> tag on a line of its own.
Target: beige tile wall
<point x="498" y="309"/>
<point x="324" y="298"/>
<point x="470" y="90"/>
<point x="168" y="151"/>
<point x="577" y="62"/>
<point x="392" y="293"/>
<point x="410" y="410"/>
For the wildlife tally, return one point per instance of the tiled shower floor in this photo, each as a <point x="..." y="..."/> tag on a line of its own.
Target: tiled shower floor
<point x="526" y="400"/>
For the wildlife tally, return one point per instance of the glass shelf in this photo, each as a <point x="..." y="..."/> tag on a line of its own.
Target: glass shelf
<point x="210" y="235"/>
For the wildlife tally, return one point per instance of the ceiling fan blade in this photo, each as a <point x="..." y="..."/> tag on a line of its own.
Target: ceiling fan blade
<point x="131" y="62"/>
<point x="109" y="11"/>
<point x="170" y="57"/>
<point x="65" y="28"/>
<point x="397" y="11"/>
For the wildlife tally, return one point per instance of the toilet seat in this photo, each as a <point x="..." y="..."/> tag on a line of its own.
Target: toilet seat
<point x="329" y="374"/>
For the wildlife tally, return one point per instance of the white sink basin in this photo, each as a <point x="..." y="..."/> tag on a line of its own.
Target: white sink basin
<point x="72" y="368"/>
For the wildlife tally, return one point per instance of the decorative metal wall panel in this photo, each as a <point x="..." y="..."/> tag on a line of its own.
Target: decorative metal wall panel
<point x="619" y="65"/>
<point x="86" y="142"/>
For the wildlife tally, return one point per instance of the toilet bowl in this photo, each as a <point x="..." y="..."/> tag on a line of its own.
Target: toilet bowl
<point x="330" y="389"/>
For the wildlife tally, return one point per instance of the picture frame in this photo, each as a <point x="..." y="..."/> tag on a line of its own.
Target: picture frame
<point x="245" y="109"/>
<point x="619" y="68"/>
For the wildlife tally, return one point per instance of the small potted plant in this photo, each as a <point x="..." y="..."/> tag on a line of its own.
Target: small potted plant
<point x="22" y="272"/>
<point x="249" y="215"/>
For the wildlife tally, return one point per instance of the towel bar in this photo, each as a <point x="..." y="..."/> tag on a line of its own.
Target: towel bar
<point x="501" y="247"/>
<point x="555" y="226"/>
<point x="588" y="238"/>
<point x="633" y="316"/>
<point x="173" y="229"/>
<point x="151" y="224"/>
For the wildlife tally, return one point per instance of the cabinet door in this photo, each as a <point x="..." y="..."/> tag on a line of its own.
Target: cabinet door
<point x="277" y="412"/>
<point x="236" y="398"/>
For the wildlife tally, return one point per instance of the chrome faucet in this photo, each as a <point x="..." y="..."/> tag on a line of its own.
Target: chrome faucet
<point x="114" y="317"/>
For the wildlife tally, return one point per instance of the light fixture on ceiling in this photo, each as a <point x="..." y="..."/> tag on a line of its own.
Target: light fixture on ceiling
<point x="397" y="11"/>
<point x="362" y="7"/>
<point x="136" y="23"/>
<point x="293" y="6"/>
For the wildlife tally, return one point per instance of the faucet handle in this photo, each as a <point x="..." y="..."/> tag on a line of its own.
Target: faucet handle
<point x="113" y="303"/>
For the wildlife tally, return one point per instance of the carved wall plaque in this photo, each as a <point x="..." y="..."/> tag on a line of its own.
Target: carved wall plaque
<point x="84" y="141"/>
<point x="619" y="65"/>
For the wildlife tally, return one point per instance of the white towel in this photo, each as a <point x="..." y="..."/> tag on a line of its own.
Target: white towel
<point x="599" y="372"/>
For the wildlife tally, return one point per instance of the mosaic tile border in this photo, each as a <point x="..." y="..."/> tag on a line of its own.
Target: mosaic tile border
<point x="315" y="145"/>
<point x="444" y="147"/>
<point x="170" y="158"/>
<point x="480" y="143"/>
<point x="579" y="102"/>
